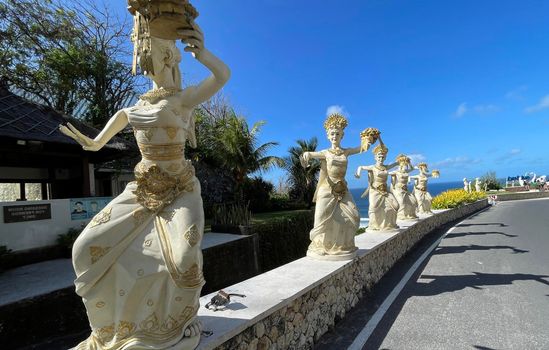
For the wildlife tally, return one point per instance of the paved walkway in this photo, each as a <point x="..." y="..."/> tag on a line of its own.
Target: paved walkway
<point x="48" y="276"/>
<point x="485" y="286"/>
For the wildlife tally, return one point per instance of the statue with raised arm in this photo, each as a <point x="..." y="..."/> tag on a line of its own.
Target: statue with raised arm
<point x="423" y="197"/>
<point x="336" y="215"/>
<point x="383" y="206"/>
<point x="407" y="204"/>
<point x="138" y="262"/>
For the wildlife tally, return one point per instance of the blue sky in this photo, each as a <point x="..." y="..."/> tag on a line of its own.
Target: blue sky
<point x="462" y="85"/>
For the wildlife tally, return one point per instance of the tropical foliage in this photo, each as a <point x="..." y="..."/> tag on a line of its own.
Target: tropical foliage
<point x="67" y="55"/>
<point x="491" y="181"/>
<point x="226" y="141"/>
<point x="302" y="180"/>
<point x="455" y="198"/>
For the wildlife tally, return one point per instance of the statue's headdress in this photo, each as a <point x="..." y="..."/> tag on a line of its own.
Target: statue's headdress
<point x="380" y="148"/>
<point x="161" y="19"/>
<point x="335" y="121"/>
<point x="422" y="165"/>
<point x="401" y="158"/>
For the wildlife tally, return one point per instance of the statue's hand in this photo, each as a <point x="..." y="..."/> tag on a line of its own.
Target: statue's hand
<point x="357" y="173"/>
<point x="86" y="143"/>
<point x="194" y="38"/>
<point x="304" y="159"/>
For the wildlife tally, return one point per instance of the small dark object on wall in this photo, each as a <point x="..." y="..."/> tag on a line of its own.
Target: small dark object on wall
<point x="221" y="299"/>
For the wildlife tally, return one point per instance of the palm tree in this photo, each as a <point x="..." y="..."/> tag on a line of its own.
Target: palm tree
<point x="302" y="181"/>
<point x="239" y="151"/>
<point x="225" y="141"/>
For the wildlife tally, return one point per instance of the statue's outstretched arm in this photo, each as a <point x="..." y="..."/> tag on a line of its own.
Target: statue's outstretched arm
<point x="116" y="124"/>
<point x="362" y="167"/>
<point x="307" y="156"/>
<point x="195" y="95"/>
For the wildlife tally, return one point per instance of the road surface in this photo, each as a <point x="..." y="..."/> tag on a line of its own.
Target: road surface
<point x="484" y="286"/>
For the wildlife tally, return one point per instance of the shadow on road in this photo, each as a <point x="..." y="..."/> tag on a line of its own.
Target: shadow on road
<point x="483" y="224"/>
<point x="464" y="234"/>
<point x="480" y="347"/>
<point x="444" y="284"/>
<point x="464" y="248"/>
<point x="439" y="285"/>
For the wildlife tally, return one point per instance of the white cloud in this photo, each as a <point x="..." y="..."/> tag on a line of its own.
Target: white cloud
<point x="516" y="94"/>
<point x="417" y="158"/>
<point x="461" y="110"/>
<point x="486" y="109"/>
<point x="542" y="104"/>
<point x="336" y="109"/>
<point x="456" y="162"/>
<point x="508" y="156"/>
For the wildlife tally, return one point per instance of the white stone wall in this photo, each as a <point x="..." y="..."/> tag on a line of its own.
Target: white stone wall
<point x="41" y="233"/>
<point x="293" y="306"/>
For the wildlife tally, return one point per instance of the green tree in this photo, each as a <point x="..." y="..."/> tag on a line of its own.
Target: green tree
<point x="239" y="149"/>
<point x="226" y="141"/>
<point x="490" y="180"/>
<point x="302" y="181"/>
<point x="72" y="56"/>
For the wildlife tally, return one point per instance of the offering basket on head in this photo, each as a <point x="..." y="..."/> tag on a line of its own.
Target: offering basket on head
<point x="164" y="17"/>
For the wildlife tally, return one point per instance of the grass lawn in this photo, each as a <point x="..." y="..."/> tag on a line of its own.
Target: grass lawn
<point x="261" y="218"/>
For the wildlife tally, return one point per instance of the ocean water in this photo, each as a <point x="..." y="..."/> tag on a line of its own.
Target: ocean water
<point x="433" y="188"/>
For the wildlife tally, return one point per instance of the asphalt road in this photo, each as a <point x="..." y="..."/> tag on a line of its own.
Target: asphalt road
<point x="485" y="286"/>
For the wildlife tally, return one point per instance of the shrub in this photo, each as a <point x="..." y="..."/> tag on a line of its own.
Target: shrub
<point x="278" y="203"/>
<point x="491" y="181"/>
<point x="455" y="198"/>
<point x="284" y="239"/>
<point x="231" y="214"/>
<point x="4" y="250"/>
<point x="66" y="240"/>
<point x="257" y="192"/>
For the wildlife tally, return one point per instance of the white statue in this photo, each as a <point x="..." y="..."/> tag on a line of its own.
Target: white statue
<point x="138" y="262"/>
<point x="423" y="197"/>
<point x="336" y="216"/>
<point x="465" y="184"/>
<point x="478" y="187"/>
<point x="407" y="204"/>
<point x="383" y="206"/>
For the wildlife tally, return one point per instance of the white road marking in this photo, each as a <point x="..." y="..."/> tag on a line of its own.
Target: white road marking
<point x="367" y="331"/>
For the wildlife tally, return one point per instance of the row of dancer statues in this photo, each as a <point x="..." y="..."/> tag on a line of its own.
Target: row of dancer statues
<point x="468" y="185"/>
<point x="336" y="215"/>
<point x="138" y="263"/>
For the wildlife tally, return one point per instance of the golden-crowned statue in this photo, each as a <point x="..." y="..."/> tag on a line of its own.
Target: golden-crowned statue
<point x="383" y="206"/>
<point x="336" y="215"/>
<point x="407" y="204"/>
<point x="423" y="197"/>
<point x="138" y="262"/>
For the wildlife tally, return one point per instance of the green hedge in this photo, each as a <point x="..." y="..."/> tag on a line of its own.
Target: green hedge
<point x="283" y="239"/>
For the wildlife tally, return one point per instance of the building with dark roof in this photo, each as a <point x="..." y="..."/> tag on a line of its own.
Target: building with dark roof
<point x="33" y="150"/>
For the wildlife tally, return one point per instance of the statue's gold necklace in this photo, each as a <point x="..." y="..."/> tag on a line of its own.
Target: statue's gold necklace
<point x="380" y="167"/>
<point x="155" y="94"/>
<point x="337" y="152"/>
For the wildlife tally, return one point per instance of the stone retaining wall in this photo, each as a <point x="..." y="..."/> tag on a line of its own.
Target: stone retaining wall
<point x="299" y="320"/>
<point x="521" y="195"/>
